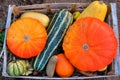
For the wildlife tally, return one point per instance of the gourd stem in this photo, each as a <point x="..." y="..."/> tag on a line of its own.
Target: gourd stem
<point x="14" y="60"/>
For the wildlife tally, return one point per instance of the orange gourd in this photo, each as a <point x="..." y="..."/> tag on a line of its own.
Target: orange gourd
<point x="63" y="66"/>
<point x="90" y="44"/>
<point x="26" y="37"/>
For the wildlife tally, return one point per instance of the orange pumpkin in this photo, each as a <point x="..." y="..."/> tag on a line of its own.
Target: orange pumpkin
<point x="63" y="67"/>
<point x="26" y="37"/>
<point x="90" y="44"/>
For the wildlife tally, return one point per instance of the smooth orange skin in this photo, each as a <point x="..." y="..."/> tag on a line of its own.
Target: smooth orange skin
<point x="101" y="41"/>
<point x="31" y="28"/>
<point x="63" y="67"/>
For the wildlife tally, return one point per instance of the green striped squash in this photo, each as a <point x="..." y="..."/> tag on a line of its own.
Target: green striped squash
<point x="56" y="31"/>
<point x="16" y="67"/>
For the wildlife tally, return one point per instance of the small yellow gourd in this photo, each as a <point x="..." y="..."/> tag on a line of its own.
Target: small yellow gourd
<point x="97" y="9"/>
<point x="43" y="18"/>
<point x="76" y="14"/>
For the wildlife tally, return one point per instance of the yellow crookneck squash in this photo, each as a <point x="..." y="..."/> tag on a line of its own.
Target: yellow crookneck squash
<point x="96" y="9"/>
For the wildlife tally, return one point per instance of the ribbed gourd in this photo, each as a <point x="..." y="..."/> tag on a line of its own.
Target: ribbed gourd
<point x="16" y="67"/>
<point x="26" y="37"/>
<point x="96" y="9"/>
<point x="90" y="44"/>
<point x="56" y="31"/>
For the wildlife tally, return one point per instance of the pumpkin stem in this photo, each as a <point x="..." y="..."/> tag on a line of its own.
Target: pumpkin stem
<point x="26" y="38"/>
<point x="85" y="47"/>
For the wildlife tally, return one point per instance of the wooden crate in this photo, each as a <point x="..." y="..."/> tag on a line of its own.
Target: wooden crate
<point x="49" y="9"/>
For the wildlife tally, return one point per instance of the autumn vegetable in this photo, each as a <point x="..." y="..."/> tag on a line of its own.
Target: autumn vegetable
<point x="90" y="44"/>
<point x="44" y="19"/>
<point x="56" y="31"/>
<point x="26" y="37"/>
<point x="16" y="67"/>
<point x="29" y="68"/>
<point x="63" y="67"/>
<point x="76" y="14"/>
<point x="96" y="9"/>
<point x="50" y="69"/>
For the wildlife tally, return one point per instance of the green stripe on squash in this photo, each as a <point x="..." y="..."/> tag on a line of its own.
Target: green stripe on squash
<point x="56" y="31"/>
<point x="10" y="69"/>
<point x="21" y="67"/>
<point x="18" y="70"/>
<point x="16" y="67"/>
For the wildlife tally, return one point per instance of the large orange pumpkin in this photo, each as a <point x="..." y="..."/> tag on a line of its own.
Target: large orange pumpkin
<point x="90" y="44"/>
<point x="26" y="37"/>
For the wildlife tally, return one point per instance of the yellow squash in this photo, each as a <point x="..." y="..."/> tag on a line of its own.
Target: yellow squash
<point x="76" y="14"/>
<point x="43" y="18"/>
<point x="97" y="9"/>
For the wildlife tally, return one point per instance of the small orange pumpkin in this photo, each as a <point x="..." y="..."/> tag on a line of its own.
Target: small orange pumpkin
<point x="63" y="67"/>
<point x="26" y="37"/>
<point x="90" y="44"/>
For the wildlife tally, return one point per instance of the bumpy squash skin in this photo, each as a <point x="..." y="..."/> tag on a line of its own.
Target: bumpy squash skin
<point x="97" y="9"/>
<point x="16" y="68"/>
<point x="56" y="31"/>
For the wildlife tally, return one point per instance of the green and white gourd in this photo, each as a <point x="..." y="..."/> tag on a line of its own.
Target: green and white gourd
<point x="56" y="31"/>
<point x="16" y="67"/>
